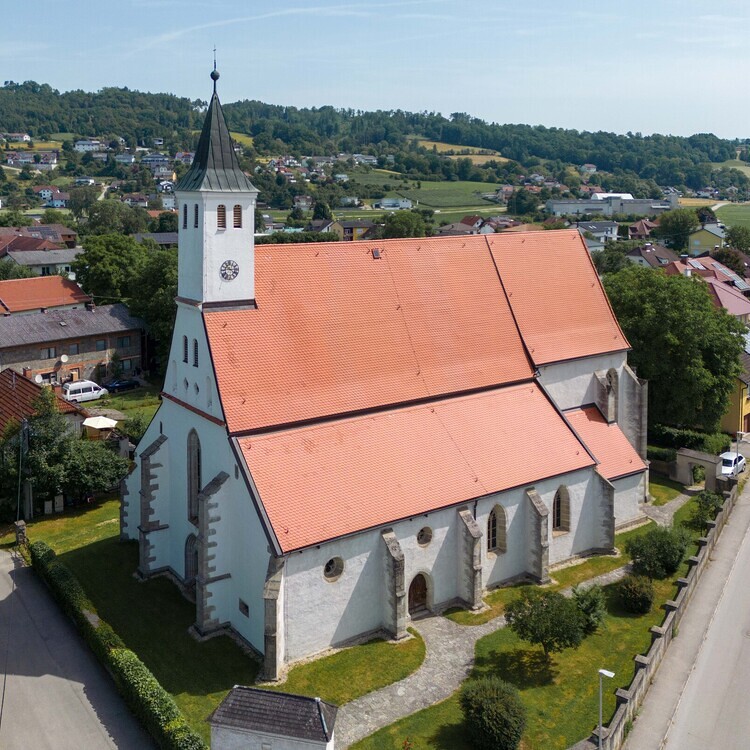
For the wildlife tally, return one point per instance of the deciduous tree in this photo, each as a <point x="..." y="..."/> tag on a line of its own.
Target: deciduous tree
<point x="676" y="226"/>
<point x="685" y="347"/>
<point x="738" y="237"/>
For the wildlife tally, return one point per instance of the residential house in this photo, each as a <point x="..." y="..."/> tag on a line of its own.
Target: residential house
<point x="707" y="267"/>
<point x="303" y="202"/>
<point x="184" y="157"/>
<point x="349" y="201"/>
<point x="52" y="196"/>
<point x="604" y="231"/>
<point x="39" y="294"/>
<point x="49" y="261"/>
<point x="125" y="158"/>
<point x="353" y="229"/>
<point x="84" y="181"/>
<point x="17" y="137"/>
<point x="455" y="228"/>
<point x="155" y="160"/>
<point x="653" y="256"/>
<point x="57" y="234"/>
<point x="18" y="394"/>
<point x="366" y="159"/>
<point x="163" y="172"/>
<point x="135" y="200"/>
<point x="587" y="169"/>
<point x="351" y="434"/>
<point x="641" y="229"/>
<point x="705" y="239"/>
<point x="321" y="225"/>
<point x="252" y="718"/>
<point x="158" y="142"/>
<point x="70" y="344"/>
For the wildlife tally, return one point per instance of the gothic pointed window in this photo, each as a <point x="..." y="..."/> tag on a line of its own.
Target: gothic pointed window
<point x="195" y="215"/>
<point x="184" y="215"/>
<point x="193" y="475"/>
<point x="238" y="217"/>
<point x="497" y="530"/>
<point x="221" y="216"/>
<point x="561" y="510"/>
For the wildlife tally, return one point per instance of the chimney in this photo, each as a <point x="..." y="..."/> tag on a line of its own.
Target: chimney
<point x="90" y="306"/>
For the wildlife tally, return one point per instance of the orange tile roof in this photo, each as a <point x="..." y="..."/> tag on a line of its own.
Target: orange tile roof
<point x="616" y="456"/>
<point x="336" y="478"/>
<point x="18" y="295"/>
<point x="338" y="331"/>
<point x="17" y="394"/>
<point x="555" y="294"/>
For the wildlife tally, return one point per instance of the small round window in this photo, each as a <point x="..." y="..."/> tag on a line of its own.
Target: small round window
<point x="333" y="568"/>
<point x="424" y="537"/>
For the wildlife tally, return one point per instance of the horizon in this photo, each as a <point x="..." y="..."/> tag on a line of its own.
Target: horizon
<point x="669" y="69"/>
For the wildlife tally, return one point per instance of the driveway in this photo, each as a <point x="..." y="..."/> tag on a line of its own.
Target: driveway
<point x="54" y="695"/>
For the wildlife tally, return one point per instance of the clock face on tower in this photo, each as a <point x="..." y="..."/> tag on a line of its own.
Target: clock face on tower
<point x="229" y="270"/>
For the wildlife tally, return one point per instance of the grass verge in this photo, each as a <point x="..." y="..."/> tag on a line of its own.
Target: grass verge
<point x="663" y="490"/>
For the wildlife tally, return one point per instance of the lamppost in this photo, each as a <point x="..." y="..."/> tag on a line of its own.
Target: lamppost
<point x="602" y="673"/>
<point x="740" y="435"/>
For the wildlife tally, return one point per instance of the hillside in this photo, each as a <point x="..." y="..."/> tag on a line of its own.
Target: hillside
<point x="137" y="117"/>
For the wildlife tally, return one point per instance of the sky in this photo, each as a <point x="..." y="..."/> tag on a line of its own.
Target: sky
<point x="662" y="66"/>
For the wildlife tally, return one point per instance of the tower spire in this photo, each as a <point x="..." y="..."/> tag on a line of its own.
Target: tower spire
<point x="214" y="72"/>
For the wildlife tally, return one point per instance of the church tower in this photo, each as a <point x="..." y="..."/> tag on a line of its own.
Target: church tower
<point x="216" y="204"/>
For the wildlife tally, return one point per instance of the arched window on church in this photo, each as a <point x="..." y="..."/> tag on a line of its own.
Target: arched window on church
<point x="184" y="348"/>
<point x="191" y="559"/>
<point x="184" y="215"/>
<point x="561" y="510"/>
<point x="497" y="530"/>
<point x="193" y="475"/>
<point x="195" y="352"/>
<point x="238" y="217"/>
<point x="195" y="215"/>
<point x="221" y="216"/>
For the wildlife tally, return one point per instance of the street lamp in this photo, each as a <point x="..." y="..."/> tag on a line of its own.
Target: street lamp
<point x="740" y="435"/>
<point x="610" y="675"/>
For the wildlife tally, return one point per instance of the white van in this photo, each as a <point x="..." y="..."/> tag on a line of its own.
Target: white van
<point x="83" y="390"/>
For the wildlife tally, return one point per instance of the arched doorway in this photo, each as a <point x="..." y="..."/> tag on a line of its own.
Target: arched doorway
<point x="418" y="595"/>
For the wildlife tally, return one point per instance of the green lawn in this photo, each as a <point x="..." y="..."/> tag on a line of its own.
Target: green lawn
<point x="662" y="489"/>
<point x="735" y="214"/>
<point x="561" y="696"/>
<point x="353" y="672"/>
<point x="144" y="400"/>
<point x="561" y="579"/>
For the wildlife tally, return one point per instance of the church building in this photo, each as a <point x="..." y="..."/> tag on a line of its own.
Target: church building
<point x="352" y="433"/>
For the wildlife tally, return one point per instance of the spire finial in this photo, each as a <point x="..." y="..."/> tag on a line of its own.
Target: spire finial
<point x="214" y="72"/>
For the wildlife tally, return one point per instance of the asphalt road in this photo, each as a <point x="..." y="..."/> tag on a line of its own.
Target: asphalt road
<point x="714" y="711"/>
<point x="54" y="695"/>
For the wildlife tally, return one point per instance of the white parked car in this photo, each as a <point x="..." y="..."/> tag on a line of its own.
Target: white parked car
<point x="83" y="390"/>
<point x="732" y="464"/>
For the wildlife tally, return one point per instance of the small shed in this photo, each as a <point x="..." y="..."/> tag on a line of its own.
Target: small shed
<point x="99" y="428"/>
<point x="254" y="719"/>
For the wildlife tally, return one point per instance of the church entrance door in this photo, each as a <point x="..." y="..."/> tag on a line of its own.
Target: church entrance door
<point x="418" y="594"/>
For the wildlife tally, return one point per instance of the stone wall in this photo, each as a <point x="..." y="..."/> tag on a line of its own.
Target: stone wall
<point x="629" y="700"/>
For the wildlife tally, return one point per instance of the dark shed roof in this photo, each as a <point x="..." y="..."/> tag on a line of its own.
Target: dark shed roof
<point x="215" y="166"/>
<point x="276" y="713"/>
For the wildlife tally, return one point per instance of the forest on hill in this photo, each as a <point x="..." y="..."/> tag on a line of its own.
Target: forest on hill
<point x="137" y="117"/>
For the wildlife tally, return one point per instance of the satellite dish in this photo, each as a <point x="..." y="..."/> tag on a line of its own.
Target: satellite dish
<point x="63" y="358"/>
<point x="37" y="378"/>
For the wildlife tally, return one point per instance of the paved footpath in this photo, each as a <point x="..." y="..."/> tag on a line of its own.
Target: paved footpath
<point x="54" y="695"/>
<point x="664" y="698"/>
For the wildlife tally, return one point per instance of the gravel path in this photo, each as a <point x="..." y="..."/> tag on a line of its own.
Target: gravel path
<point x="663" y="514"/>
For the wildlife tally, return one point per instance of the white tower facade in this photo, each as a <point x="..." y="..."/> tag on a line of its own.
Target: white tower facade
<point x="216" y="203"/>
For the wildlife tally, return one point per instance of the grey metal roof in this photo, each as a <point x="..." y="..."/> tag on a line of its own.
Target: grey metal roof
<point x="276" y="713"/>
<point x="160" y="238"/>
<point x="45" y="257"/>
<point x="58" y="325"/>
<point x="215" y="166"/>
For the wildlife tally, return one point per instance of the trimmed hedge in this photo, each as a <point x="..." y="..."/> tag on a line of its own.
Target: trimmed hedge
<point x="657" y="453"/>
<point x="676" y="437"/>
<point x="147" y="699"/>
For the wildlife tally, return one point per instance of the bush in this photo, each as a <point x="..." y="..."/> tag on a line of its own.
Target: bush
<point x="658" y="553"/>
<point x="148" y="700"/>
<point x="592" y="605"/>
<point x="699" y="474"/>
<point x="656" y="453"/>
<point x="493" y="712"/>
<point x="676" y="437"/>
<point x="637" y="594"/>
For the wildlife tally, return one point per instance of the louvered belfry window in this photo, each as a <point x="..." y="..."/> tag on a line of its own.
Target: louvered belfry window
<point x="221" y="217"/>
<point x="238" y="217"/>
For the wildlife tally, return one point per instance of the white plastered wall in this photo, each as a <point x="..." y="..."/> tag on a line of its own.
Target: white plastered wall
<point x="629" y="495"/>
<point x="230" y="738"/>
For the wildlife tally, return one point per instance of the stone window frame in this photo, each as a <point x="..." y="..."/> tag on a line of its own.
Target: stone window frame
<point x="193" y="475"/>
<point x="333" y="569"/>
<point x="561" y="511"/>
<point x="497" y="530"/>
<point x="424" y="536"/>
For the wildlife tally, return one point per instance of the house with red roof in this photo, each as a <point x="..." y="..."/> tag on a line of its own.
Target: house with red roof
<point x="40" y="293"/>
<point x="351" y="434"/>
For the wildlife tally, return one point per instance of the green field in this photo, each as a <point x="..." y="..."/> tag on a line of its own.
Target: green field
<point x="735" y="214"/>
<point x="742" y="166"/>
